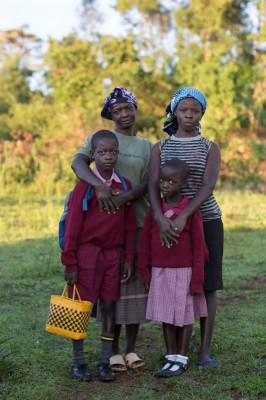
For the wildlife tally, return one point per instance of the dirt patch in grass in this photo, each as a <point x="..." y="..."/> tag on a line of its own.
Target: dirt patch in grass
<point x="237" y="395"/>
<point x="253" y="287"/>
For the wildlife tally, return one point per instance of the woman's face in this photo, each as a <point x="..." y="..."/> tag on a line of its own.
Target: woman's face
<point x="124" y="115"/>
<point x="188" y="114"/>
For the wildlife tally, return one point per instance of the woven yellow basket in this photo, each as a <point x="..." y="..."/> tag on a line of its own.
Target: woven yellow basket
<point x="68" y="317"/>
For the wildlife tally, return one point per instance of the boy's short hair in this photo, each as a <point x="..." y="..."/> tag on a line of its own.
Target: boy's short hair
<point x="179" y="165"/>
<point x="102" y="134"/>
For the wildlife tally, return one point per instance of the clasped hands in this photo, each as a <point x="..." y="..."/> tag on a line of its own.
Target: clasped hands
<point x="170" y="230"/>
<point x="111" y="200"/>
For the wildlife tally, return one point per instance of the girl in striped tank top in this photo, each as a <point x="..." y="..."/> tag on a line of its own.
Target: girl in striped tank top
<point x="185" y="111"/>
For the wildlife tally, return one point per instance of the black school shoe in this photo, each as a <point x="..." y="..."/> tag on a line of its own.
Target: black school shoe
<point x="169" y="374"/>
<point x="105" y="373"/>
<point x="159" y="373"/>
<point x="81" y="373"/>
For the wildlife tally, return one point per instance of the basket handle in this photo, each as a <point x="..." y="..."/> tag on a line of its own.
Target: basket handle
<point x="75" y="291"/>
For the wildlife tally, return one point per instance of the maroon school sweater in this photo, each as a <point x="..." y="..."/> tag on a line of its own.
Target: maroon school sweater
<point x="190" y="251"/>
<point x="96" y="227"/>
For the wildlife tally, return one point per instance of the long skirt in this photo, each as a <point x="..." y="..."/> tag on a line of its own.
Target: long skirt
<point x="132" y="305"/>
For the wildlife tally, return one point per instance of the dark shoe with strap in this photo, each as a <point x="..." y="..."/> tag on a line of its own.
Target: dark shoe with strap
<point x="81" y="373"/>
<point x="168" y="373"/>
<point x="105" y="373"/>
<point x="160" y="372"/>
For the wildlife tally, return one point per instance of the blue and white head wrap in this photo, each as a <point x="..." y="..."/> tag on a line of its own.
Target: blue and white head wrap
<point x="170" y="125"/>
<point x="188" y="92"/>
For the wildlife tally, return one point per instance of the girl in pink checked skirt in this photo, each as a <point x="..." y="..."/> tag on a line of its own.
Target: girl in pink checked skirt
<point x="174" y="274"/>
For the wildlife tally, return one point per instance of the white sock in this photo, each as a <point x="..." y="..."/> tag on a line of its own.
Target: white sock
<point x="170" y="357"/>
<point x="181" y="359"/>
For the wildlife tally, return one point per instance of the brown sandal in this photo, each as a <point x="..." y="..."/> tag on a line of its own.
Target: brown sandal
<point x="117" y="363"/>
<point x="133" y="361"/>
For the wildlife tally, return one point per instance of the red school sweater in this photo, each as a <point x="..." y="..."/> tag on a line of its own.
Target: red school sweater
<point x="190" y="251"/>
<point x="97" y="227"/>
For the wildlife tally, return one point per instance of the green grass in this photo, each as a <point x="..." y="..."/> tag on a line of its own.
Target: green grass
<point x="30" y="271"/>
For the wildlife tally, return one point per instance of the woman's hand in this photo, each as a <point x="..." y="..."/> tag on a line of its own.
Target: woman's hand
<point x="105" y="198"/>
<point x="128" y="268"/>
<point x="179" y="223"/>
<point x="120" y="197"/>
<point x="71" y="278"/>
<point x="168" y="231"/>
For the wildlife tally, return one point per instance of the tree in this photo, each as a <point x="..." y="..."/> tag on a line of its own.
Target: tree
<point x="214" y="54"/>
<point x="257" y="113"/>
<point x="206" y="45"/>
<point x="17" y="47"/>
<point x="18" y="42"/>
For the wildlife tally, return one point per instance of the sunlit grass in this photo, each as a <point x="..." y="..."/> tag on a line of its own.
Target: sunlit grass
<point x="30" y="271"/>
<point x="242" y="209"/>
<point x="28" y="217"/>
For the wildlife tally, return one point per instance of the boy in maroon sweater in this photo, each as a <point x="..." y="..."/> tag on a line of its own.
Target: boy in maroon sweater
<point x="95" y="244"/>
<point x="174" y="274"/>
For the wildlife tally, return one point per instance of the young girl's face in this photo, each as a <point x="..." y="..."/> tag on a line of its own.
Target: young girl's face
<point x="105" y="155"/>
<point x="171" y="183"/>
<point x="188" y="113"/>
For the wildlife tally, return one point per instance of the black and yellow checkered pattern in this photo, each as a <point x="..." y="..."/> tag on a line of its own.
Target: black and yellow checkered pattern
<point x="68" y="317"/>
<point x="65" y="318"/>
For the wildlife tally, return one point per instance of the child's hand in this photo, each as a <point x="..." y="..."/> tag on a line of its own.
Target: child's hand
<point x="71" y="277"/>
<point x="128" y="268"/>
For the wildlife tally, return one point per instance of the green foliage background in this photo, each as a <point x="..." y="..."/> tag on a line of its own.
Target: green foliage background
<point x="214" y="46"/>
<point x="217" y="47"/>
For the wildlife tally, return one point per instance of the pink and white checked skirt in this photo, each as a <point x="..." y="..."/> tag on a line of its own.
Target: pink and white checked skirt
<point x="170" y="300"/>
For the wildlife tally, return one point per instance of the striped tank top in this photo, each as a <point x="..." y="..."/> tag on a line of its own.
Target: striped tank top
<point x="194" y="150"/>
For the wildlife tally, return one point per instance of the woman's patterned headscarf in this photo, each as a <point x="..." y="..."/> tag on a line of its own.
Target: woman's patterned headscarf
<point x="171" y="125"/>
<point x="117" y="96"/>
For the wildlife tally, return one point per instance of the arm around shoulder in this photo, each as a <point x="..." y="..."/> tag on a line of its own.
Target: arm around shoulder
<point x="209" y="180"/>
<point x="144" y="257"/>
<point x="200" y="253"/>
<point x="212" y="167"/>
<point x="80" y="165"/>
<point x="153" y="185"/>
<point x="166" y="226"/>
